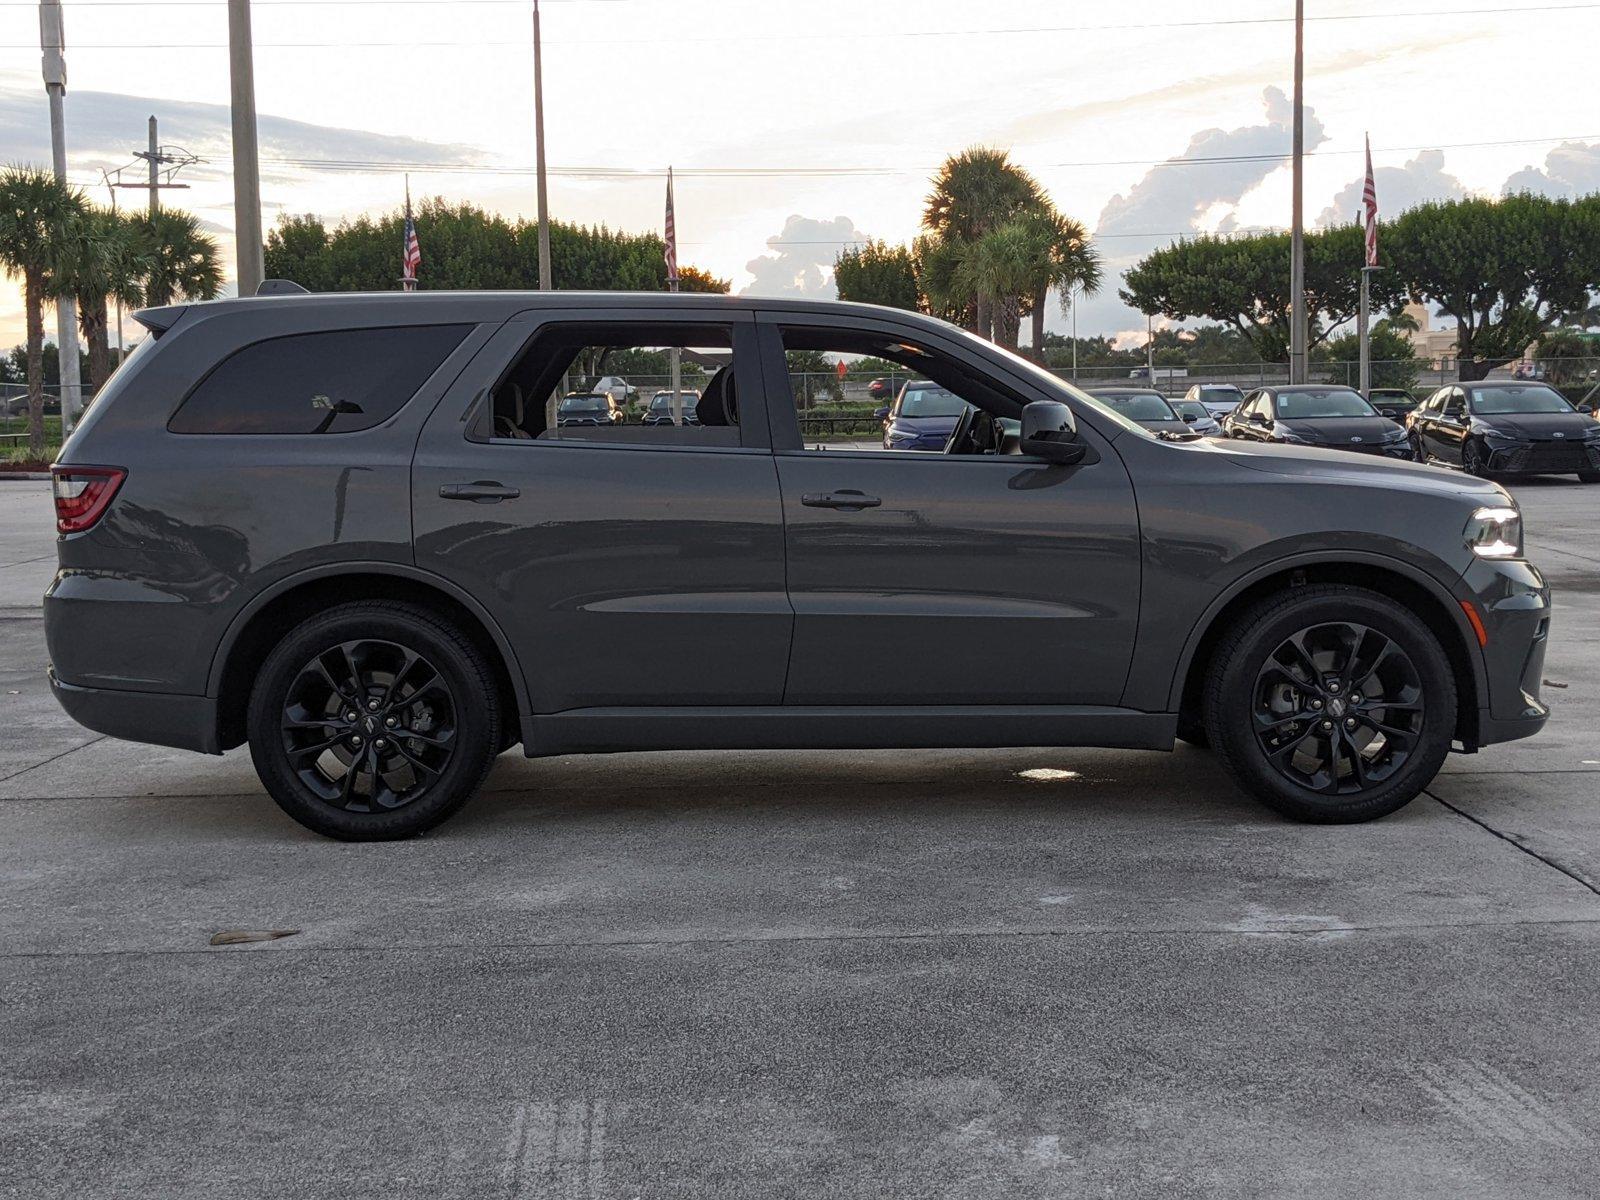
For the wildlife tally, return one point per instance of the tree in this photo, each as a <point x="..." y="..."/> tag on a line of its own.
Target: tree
<point x="878" y="273"/>
<point x="1504" y="270"/>
<point x="1243" y="282"/>
<point x="183" y="263"/>
<point x="38" y="221"/>
<point x="974" y="193"/>
<point x="1394" y="362"/>
<point x="1566" y="355"/>
<point x="1066" y="261"/>
<point x="107" y="263"/>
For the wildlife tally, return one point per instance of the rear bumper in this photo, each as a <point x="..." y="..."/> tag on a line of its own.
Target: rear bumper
<point x="186" y="722"/>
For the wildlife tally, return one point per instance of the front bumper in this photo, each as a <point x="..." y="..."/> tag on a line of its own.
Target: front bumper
<point x="1544" y="458"/>
<point x="186" y="722"/>
<point x="1399" y="451"/>
<point x="1513" y="601"/>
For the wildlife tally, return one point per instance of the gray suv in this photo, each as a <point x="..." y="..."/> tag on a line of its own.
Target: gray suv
<point x="347" y="530"/>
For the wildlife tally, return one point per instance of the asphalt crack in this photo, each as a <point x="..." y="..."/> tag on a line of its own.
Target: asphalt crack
<point x="1518" y="843"/>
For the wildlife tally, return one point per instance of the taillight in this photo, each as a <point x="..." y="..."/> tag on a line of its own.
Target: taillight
<point x="83" y="495"/>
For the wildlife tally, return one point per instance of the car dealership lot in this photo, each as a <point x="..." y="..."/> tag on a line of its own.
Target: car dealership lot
<point x="818" y="974"/>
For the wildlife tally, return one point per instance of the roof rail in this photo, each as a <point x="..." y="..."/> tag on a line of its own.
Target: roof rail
<point x="280" y="287"/>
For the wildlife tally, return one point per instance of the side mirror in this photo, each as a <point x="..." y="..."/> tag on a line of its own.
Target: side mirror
<point x="881" y="414"/>
<point x="1050" y="432"/>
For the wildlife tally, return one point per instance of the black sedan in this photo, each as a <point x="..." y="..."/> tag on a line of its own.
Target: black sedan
<point x="1144" y="407"/>
<point x="1509" y="428"/>
<point x="1392" y="402"/>
<point x="1325" y="415"/>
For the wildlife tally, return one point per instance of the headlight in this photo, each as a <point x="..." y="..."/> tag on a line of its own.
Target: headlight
<point x="1495" y="533"/>
<point x="1393" y="436"/>
<point x="900" y="435"/>
<point x="1292" y="439"/>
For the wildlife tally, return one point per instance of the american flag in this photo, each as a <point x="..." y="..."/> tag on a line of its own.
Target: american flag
<point x="672" y="239"/>
<point x="1369" y="200"/>
<point x="411" y="257"/>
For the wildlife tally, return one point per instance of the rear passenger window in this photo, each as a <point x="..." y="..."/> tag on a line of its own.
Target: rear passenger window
<point x="336" y="382"/>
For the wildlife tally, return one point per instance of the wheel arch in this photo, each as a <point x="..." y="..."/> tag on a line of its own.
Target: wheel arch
<point x="1408" y="585"/>
<point x="258" y="626"/>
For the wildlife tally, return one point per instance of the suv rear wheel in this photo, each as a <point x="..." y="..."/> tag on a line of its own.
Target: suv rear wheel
<point x="375" y="720"/>
<point x="1331" y="703"/>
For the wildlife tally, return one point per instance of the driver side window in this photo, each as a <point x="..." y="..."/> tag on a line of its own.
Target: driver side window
<point x="1456" y="406"/>
<point x="840" y="381"/>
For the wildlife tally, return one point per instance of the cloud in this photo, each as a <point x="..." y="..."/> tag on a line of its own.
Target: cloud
<point x="105" y="128"/>
<point x="1571" y="169"/>
<point x="1399" y="188"/>
<point x="801" y="262"/>
<point x="1173" y="199"/>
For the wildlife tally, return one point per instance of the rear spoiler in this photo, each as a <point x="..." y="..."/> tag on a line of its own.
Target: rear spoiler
<point x="159" y="320"/>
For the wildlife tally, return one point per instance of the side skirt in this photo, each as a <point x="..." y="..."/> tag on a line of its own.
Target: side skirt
<point x="855" y="727"/>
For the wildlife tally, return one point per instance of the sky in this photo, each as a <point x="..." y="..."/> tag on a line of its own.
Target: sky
<point x="799" y="126"/>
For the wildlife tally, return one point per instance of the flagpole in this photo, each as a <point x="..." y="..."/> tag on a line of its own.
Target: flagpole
<point x="1298" y="322"/>
<point x="676" y="355"/>
<point x="408" y="282"/>
<point x="1369" y="264"/>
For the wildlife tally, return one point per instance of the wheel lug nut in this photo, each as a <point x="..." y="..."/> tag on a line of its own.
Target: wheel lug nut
<point x="380" y="743"/>
<point x="1349" y="722"/>
<point x="1355" y="697"/>
<point x="390" y="722"/>
<point x="351" y="715"/>
<point x="372" y="704"/>
<point x="1327" y="724"/>
<point x="1333" y="686"/>
<point x="355" y="741"/>
<point x="1316" y="704"/>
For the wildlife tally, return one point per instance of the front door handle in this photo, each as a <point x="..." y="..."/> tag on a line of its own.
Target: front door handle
<point x="848" y="500"/>
<point x="484" y="491"/>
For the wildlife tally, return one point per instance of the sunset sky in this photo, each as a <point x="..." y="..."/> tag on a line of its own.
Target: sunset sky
<point x="796" y="127"/>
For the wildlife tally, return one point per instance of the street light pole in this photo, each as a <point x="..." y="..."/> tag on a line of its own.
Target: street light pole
<point x="52" y="41"/>
<point x="1072" y="301"/>
<point x="538" y="152"/>
<point x="246" y="165"/>
<point x="1297" y="253"/>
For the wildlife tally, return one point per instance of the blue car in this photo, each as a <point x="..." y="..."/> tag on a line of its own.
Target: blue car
<point x="922" y="417"/>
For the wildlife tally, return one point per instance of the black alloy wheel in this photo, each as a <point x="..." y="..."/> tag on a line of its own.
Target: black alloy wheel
<point x="1472" y="460"/>
<point x="374" y="720"/>
<point x="368" y="725"/>
<point x="1338" y="708"/>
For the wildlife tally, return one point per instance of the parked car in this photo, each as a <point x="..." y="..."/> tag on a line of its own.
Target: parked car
<point x="1393" y="403"/>
<point x="1506" y="429"/>
<point x="1148" y="408"/>
<point x="1197" y="417"/>
<point x="1325" y="415"/>
<point x="922" y="417"/>
<point x="589" y="408"/>
<point x="17" y="406"/>
<point x="880" y="389"/>
<point x="1220" y="399"/>
<point x="618" y="388"/>
<point x="410" y="575"/>
<point x="659" y="410"/>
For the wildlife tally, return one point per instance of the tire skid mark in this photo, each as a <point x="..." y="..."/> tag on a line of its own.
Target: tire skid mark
<point x="1485" y="1100"/>
<point x="555" y="1150"/>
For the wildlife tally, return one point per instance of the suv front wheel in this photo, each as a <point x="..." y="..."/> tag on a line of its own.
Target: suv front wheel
<point x="374" y="720"/>
<point x="1331" y="703"/>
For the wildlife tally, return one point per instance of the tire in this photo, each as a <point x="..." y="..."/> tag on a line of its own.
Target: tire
<point x="1265" y="728"/>
<point x="1192" y="730"/>
<point x="1472" y="460"/>
<point x="1418" y="454"/>
<point x="380" y="662"/>
<point x="1589" y="476"/>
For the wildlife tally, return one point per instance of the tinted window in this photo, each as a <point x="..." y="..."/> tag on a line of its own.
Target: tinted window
<point x="1536" y="398"/>
<point x="336" y="382"/>
<point x="931" y="401"/>
<point x="1304" y="403"/>
<point x="1144" y="406"/>
<point x="1190" y="408"/>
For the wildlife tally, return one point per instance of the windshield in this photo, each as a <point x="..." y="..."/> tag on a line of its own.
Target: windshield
<point x="664" y="399"/>
<point x="1491" y="401"/>
<point x="1220" y="393"/>
<point x="583" y="403"/>
<point x="1189" y="408"/>
<point x="931" y="401"/>
<point x="1140" y="406"/>
<point x="1310" y="403"/>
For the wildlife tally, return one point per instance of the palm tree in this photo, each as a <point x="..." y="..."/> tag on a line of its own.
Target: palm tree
<point x="38" y="219"/>
<point x="183" y="262"/>
<point x="974" y="193"/>
<point x="1069" y="262"/>
<point x="997" y="269"/>
<point x="107" y="263"/>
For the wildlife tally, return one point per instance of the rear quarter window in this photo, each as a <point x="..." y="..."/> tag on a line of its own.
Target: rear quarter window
<point x="339" y="381"/>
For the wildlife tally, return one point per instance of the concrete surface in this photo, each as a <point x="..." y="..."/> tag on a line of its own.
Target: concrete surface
<point x="785" y="974"/>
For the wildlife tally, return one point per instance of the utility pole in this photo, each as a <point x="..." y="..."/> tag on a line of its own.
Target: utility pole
<point x="153" y="155"/>
<point x="246" y="164"/>
<point x="157" y="157"/>
<point x="1150" y="346"/>
<point x="52" y="42"/>
<point x="111" y="187"/>
<point x="538" y="152"/>
<point x="1072" y="302"/>
<point x="1298" y="333"/>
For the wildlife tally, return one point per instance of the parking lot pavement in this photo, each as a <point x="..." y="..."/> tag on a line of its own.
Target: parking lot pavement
<point x="789" y="974"/>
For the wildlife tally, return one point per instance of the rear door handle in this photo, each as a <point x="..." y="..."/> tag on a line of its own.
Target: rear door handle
<point x="484" y="491"/>
<point x="848" y="500"/>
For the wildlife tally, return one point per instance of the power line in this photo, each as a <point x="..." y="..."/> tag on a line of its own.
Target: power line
<point x="993" y="31"/>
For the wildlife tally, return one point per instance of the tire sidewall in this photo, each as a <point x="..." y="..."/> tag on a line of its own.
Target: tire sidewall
<point x="1232" y="719"/>
<point x="476" y="742"/>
